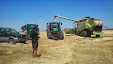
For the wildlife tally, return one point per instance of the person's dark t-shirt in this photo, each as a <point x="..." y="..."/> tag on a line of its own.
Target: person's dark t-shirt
<point x="34" y="35"/>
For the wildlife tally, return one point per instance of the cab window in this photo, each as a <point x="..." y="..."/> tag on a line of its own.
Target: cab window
<point x="8" y="30"/>
<point x="13" y="31"/>
<point x="2" y="30"/>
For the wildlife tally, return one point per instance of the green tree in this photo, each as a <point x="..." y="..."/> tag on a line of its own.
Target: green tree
<point x="23" y="28"/>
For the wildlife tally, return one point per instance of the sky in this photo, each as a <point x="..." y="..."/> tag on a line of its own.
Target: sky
<point x="17" y="13"/>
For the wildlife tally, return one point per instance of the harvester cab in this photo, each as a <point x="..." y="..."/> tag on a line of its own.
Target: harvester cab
<point x="54" y="30"/>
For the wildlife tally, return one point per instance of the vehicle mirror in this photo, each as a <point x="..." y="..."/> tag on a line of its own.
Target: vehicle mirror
<point x="37" y="26"/>
<point x="47" y="23"/>
<point x="61" y="23"/>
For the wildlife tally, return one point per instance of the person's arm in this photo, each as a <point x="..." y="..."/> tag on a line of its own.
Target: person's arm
<point x="37" y="33"/>
<point x="31" y="34"/>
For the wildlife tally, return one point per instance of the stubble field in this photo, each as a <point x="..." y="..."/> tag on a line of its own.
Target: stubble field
<point x="72" y="50"/>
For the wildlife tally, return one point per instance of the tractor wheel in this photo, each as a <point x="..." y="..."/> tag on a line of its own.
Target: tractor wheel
<point x="27" y="35"/>
<point x="49" y="35"/>
<point x="61" y="35"/>
<point x="97" y="35"/>
<point x="84" y="33"/>
<point x="77" y="32"/>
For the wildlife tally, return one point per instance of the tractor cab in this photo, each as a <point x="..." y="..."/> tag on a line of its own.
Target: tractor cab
<point x="30" y="27"/>
<point x="54" y="27"/>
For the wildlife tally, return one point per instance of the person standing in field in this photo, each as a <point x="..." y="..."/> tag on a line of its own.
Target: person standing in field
<point x="34" y="36"/>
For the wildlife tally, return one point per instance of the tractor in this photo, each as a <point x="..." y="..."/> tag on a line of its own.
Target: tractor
<point x="53" y="30"/>
<point x="29" y="28"/>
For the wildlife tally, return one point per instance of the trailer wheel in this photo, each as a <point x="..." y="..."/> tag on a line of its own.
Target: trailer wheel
<point x="97" y="35"/>
<point x="77" y="32"/>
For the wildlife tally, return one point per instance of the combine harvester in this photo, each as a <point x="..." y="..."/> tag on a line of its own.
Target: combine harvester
<point x="86" y="26"/>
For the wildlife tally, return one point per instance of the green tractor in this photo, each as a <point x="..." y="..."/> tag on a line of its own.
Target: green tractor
<point x="29" y="28"/>
<point x="54" y="31"/>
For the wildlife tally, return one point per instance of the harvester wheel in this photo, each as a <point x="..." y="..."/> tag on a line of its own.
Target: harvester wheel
<point x="88" y="33"/>
<point x="84" y="33"/>
<point x="77" y="32"/>
<point x="61" y="35"/>
<point x="97" y="35"/>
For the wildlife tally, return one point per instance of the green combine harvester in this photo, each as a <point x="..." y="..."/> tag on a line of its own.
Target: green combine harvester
<point x="54" y="31"/>
<point x="29" y="28"/>
<point x="89" y="26"/>
<point x="86" y="26"/>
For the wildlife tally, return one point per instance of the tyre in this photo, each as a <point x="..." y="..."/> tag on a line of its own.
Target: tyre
<point x="12" y="41"/>
<point x="97" y="35"/>
<point x="27" y="35"/>
<point x="84" y="33"/>
<point x="61" y="36"/>
<point x="49" y="35"/>
<point x="88" y="33"/>
<point x="77" y="32"/>
<point x="23" y="42"/>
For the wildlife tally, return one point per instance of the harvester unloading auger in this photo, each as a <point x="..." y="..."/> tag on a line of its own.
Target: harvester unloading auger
<point x="63" y="18"/>
<point x="86" y="26"/>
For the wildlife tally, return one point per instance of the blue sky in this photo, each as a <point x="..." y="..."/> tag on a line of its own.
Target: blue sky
<point x="16" y="13"/>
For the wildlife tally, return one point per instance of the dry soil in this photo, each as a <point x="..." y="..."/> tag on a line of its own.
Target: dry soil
<point x="72" y="50"/>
